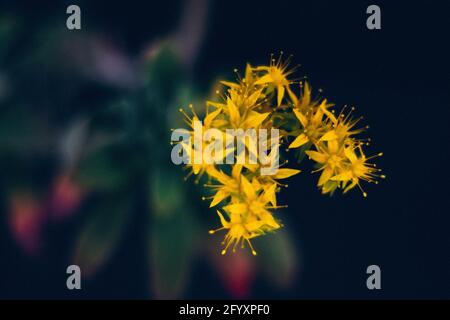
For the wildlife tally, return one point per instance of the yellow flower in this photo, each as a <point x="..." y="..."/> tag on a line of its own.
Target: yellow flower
<point x="305" y="102"/>
<point x="344" y="127"/>
<point x="330" y="157"/>
<point x="246" y="193"/>
<point x="239" y="110"/>
<point x="190" y="149"/>
<point x="245" y="86"/>
<point x="314" y="127"/>
<point x="358" y="169"/>
<point x="239" y="230"/>
<point x="249" y="215"/>
<point x="228" y="185"/>
<point x="282" y="173"/>
<point x="277" y="73"/>
<point x="244" y="119"/>
<point x="257" y="203"/>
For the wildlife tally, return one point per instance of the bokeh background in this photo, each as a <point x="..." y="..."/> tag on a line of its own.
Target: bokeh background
<point x="86" y="177"/>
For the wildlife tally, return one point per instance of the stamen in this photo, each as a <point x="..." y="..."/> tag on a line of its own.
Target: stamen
<point x="251" y="247"/>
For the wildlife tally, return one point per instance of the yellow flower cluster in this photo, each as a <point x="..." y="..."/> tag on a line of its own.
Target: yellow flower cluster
<point x="264" y="98"/>
<point x="337" y="153"/>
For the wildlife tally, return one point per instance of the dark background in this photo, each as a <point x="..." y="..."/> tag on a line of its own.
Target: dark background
<point x="397" y="77"/>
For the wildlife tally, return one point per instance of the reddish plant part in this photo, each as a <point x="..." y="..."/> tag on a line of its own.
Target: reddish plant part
<point x="26" y="220"/>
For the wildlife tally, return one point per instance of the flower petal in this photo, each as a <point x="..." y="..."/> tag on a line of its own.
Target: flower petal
<point x="303" y="120"/>
<point x="317" y="156"/>
<point x="299" y="141"/>
<point x="285" y="173"/>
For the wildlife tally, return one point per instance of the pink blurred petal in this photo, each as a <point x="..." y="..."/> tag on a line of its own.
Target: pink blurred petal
<point x="26" y="218"/>
<point x="237" y="271"/>
<point x="65" y="197"/>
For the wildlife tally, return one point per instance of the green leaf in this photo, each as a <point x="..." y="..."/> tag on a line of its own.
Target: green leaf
<point x="163" y="80"/>
<point x="172" y="237"/>
<point x="278" y="258"/>
<point x="100" y="235"/>
<point x="166" y="195"/>
<point x="170" y="252"/>
<point x="164" y="72"/>
<point x="105" y="169"/>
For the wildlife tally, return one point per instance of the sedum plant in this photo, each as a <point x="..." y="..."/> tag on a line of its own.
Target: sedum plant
<point x="265" y="97"/>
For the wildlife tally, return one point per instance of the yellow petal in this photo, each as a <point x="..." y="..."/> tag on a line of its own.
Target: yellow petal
<point x="251" y="167"/>
<point x="233" y="110"/>
<point x="270" y="195"/>
<point x="350" y="154"/>
<point x="280" y="90"/>
<point x="306" y="95"/>
<point x="210" y="117"/>
<point x="236" y="208"/>
<point x="254" y="119"/>
<point x="264" y="79"/>
<point x="292" y="96"/>
<point x="325" y="176"/>
<point x="224" y="222"/>
<point x="248" y="73"/>
<point x="196" y="168"/>
<point x="247" y="188"/>
<point x="217" y="123"/>
<point x="317" y="118"/>
<point x="236" y="171"/>
<point x="251" y="101"/>
<point x="330" y="135"/>
<point x="269" y="220"/>
<point x="323" y="106"/>
<point x="230" y="84"/>
<point x="220" y="195"/>
<point x="218" y="105"/>
<point x="333" y="146"/>
<point x="254" y="226"/>
<point x="261" y="68"/>
<point x="344" y="176"/>
<point x="329" y="187"/>
<point x="285" y="173"/>
<point x="317" y="156"/>
<point x="303" y="120"/>
<point x="219" y="175"/>
<point x="299" y="141"/>
<point x="351" y="186"/>
<point x="256" y="184"/>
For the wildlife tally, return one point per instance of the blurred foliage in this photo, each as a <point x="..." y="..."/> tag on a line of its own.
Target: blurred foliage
<point x="116" y="164"/>
<point x="101" y="234"/>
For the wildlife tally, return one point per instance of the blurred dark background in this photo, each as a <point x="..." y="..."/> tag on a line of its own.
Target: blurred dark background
<point x="397" y="77"/>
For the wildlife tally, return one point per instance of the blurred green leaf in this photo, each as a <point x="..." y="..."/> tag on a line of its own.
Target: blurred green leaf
<point x="105" y="168"/>
<point x="164" y="72"/>
<point x="101" y="234"/>
<point x="172" y="237"/>
<point x="166" y="192"/>
<point x="163" y="80"/>
<point x="277" y="258"/>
